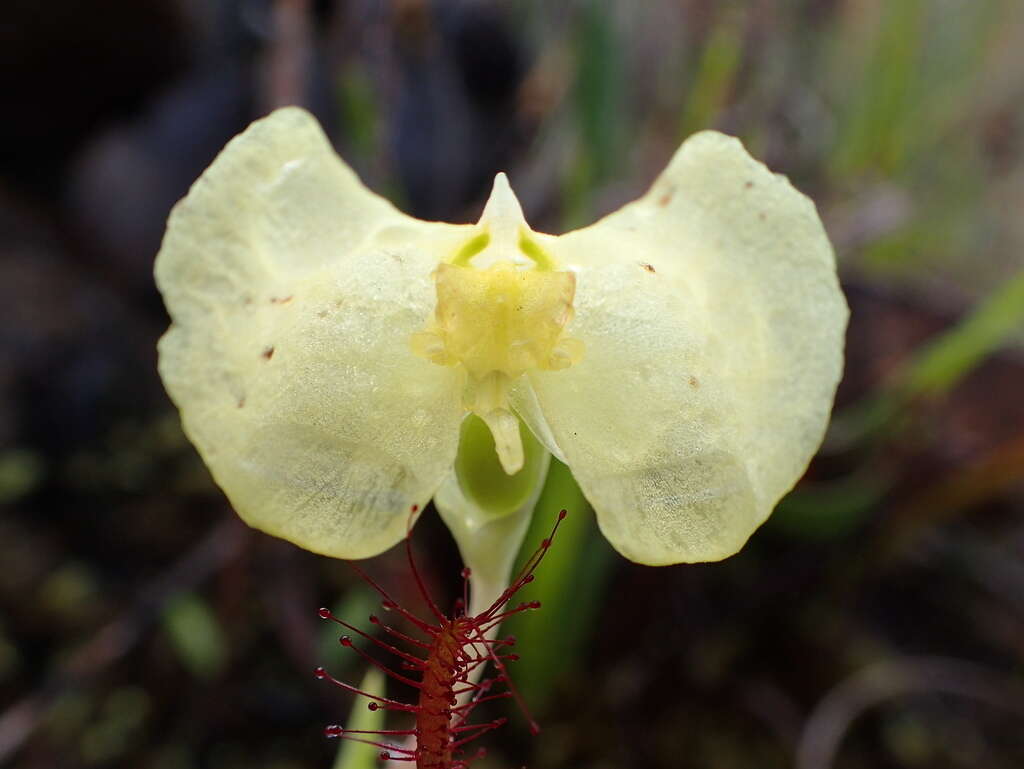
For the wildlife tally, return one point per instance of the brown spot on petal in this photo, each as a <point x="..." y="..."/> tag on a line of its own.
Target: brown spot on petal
<point x="268" y="353"/>
<point x="278" y="300"/>
<point x="748" y="184"/>
<point x="694" y="383"/>
<point x="666" y="198"/>
<point x="241" y="402"/>
<point x="646" y="266"/>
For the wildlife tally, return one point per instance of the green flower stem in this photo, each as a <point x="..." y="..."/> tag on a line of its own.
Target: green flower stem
<point x="488" y="511"/>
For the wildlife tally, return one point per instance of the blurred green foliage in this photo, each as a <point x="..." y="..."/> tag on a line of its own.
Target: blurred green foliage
<point x="600" y="110"/>
<point x="20" y="472"/>
<point x="715" y="76"/>
<point x="196" y="635"/>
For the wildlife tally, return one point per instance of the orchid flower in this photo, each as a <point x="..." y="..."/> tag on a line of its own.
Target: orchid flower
<point x="337" y="362"/>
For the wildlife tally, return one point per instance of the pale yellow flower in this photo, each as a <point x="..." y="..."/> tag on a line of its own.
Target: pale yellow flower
<point x="680" y="355"/>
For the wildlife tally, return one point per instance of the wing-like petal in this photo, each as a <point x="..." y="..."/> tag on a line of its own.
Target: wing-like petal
<point x="713" y="325"/>
<point x="293" y="292"/>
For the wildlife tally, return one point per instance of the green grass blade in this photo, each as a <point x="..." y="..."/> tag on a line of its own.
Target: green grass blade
<point x="570" y="585"/>
<point x="944" y="362"/>
<point x="358" y="755"/>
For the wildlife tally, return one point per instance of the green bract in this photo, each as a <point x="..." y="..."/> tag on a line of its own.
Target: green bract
<point x="680" y="355"/>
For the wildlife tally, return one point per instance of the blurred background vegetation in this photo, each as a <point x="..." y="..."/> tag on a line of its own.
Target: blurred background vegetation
<point x="877" y="619"/>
